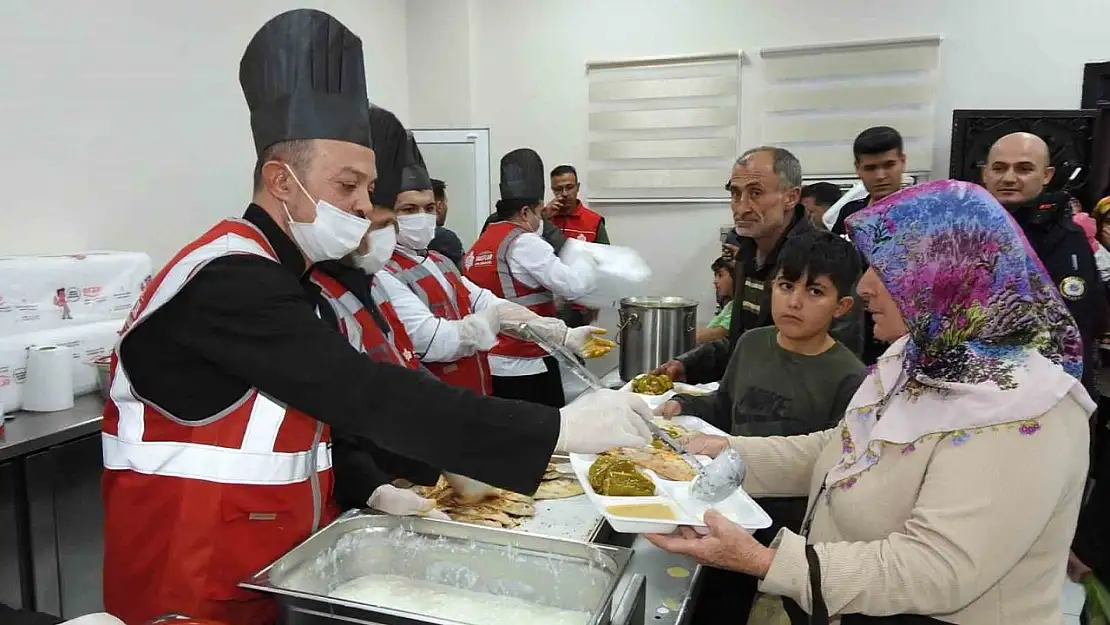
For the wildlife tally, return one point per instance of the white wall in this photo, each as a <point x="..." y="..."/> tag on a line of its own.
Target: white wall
<point x="122" y="125"/>
<point x="528" y="77"/>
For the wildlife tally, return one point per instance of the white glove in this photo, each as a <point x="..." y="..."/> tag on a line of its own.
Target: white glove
<point x="550" y="329"/>
<point x="511" y="316"/>
<point x="577" y="337"/>
<point x="469" y="491"/>
<point x="601" y="420"/>
<point x="478" y="331"/>
<point x="389" y="499"/>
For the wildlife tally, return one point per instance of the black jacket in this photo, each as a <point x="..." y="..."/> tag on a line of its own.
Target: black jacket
<point x="446" y="242"/>
<point x="707" y="362"/>
<point x="245" y="322"/>
<point x="1063" y="248"/>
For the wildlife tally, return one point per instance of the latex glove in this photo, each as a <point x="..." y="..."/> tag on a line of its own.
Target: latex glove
<point x="577" y="338"/>
<point x="389" y="499"/>
<point x="478" y="331"/>
<point x="468" y="491"/>
<point x="601" y="420"/>
<point x="511" y="316"/>
<point x="550" y="329"/>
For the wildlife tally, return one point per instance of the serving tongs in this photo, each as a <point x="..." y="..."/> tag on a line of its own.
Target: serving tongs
<point x="568" y="359"/>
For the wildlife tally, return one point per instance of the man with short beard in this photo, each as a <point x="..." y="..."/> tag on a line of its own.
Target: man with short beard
<point x="765" y="189"/>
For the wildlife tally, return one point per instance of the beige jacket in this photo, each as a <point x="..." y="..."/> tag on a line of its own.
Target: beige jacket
<point x="967" y="529"/>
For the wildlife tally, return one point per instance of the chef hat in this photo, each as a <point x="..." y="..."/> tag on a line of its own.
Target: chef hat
<point x="303" y="78"/>
<point x="414" y="175"/>
<point x="522" y="176"/>
<point x="392" y="154"/>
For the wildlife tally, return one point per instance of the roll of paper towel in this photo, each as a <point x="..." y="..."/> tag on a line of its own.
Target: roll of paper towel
<point x="49" y="384"/>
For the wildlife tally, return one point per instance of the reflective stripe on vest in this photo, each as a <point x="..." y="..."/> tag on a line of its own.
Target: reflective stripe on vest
<point x="125" y="448"/>
<point x="505" y="276"/>
<point x="359" y="326"/>
<point x="450" y="302"/>
<point x="416" y="271"/>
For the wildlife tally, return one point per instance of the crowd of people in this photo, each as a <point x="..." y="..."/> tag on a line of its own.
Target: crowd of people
<point x="894" y="457"/>
<point x="907" y="374"/>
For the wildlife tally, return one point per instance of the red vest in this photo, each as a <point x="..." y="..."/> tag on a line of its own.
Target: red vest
<point x="356" y="323"/>
<point x="470" y="372"/>
<point x="193" y="508"/>
<point x="487" y="265"/>
<point x="581" y="223"/>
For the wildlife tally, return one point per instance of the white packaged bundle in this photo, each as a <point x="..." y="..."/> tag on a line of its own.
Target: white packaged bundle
<point x="48" y="292"/>
<point x="87" y="341"/>
<point x="621" y="271"/>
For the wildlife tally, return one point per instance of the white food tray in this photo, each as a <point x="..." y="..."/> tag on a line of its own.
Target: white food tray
<point x="654" y="401"/>
<point x="739" y="507"/>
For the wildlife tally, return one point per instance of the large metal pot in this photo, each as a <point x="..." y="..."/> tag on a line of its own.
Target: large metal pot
<point x="653" y="330"/>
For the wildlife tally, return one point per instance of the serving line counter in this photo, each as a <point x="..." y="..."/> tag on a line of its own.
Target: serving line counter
<point x="51" y="523"/>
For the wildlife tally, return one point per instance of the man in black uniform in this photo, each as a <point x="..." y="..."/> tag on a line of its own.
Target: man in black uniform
<point x="1016" y="174"/>
<point x="765" y="187"/>
<point x="246" y="325"/>
<point x="445" y="241"/>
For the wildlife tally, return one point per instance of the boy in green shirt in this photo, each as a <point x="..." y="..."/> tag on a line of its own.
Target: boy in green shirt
<point x="793" y="377"/>
<point x="782" y="380"/>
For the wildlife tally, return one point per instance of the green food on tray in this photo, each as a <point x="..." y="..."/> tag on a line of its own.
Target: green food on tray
<point x="618" y="477"/>
<point x="652" y="384"/>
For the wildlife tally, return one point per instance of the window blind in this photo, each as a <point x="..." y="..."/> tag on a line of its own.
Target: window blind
<point x="816" y="99"/>
<point x="663" y="129"/>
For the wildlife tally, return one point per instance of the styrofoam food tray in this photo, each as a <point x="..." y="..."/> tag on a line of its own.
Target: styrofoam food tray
<point x="739" y="507"/>
<point x="654" y="401"/>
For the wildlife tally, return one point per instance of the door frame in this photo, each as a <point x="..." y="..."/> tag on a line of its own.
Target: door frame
<point x="480" y="139"/>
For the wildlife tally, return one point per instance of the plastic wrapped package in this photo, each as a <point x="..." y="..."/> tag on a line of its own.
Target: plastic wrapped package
<point x="49" y="292"/>
<point x="87" y="341"/>
<point x="620" y="271"/>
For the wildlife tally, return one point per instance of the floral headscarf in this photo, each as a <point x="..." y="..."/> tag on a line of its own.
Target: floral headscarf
<point x="983" y="317"/>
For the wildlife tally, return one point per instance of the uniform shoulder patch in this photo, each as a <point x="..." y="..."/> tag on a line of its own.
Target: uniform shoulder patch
<point x="1073" y="287"/>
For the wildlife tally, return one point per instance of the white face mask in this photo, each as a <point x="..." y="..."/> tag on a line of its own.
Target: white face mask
<point x="382" y="242"/>
<point x="332" y="235"/>
<point x="538" y="227"/>
<point x="416" y="231"/>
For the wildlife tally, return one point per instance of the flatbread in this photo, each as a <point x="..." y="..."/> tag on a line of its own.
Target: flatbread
<point x="502" y="510"/>
<point x="558" y="489"/>
<point x="664" y="462"/>
<point x="480" y="511"/>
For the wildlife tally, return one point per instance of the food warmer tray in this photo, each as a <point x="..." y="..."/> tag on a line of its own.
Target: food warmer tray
<point x="541" y="570"/>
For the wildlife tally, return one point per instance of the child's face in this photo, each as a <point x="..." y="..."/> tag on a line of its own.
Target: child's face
<point x="804" y="308"/>
<point x="722" y="281"/>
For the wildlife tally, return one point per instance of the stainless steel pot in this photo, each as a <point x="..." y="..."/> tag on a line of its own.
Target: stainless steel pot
<point x="653" y="330"/>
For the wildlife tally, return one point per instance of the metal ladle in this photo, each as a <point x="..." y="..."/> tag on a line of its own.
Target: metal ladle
<point x="720" y="478"/>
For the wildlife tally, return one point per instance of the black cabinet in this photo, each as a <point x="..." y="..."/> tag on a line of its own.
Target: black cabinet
<point x="66" y="527"/>
<point x="11" y="575"/>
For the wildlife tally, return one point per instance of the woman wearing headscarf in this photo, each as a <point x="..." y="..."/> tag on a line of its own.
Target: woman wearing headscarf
<point x="949" y="492"/>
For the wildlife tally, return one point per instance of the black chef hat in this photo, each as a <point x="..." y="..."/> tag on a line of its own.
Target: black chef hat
<point x="391" y="149"/>
<point x="303" y="77"/>
<point x="414" y="175"/>
<point x="522" y="176"/>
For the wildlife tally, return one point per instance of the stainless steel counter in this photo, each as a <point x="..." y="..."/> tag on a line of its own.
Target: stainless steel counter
<point x="28" y="432"/>
<point x="672" y="581"/>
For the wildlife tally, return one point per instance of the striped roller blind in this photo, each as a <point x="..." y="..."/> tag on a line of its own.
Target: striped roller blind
<point x="816" y="99"/>
<point x="663" y="129"/>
